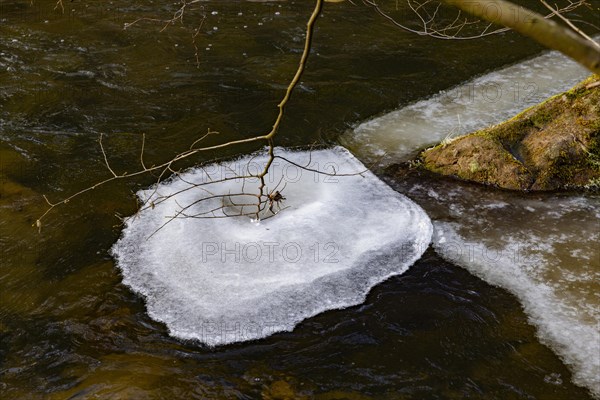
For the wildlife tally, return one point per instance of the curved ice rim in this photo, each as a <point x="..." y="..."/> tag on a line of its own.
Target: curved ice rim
<point x="555" y="327"/>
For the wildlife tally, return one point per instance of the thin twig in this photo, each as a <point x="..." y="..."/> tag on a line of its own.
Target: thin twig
<point x="165" y="167"/>
<point x="105" y="158"/>
<point x="570" y="24"/>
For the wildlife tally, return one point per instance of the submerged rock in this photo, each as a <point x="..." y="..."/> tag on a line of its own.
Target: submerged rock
<point x="554" y="145"/>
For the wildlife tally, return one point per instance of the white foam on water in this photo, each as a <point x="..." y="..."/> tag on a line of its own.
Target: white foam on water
<point x="484" y="101"/>
<point x="550" y="260"/>
<point x="226" y="280"/>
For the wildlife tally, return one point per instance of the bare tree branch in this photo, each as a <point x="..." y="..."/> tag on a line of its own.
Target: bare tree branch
<point x="555" y="11"/>
<point x="167" y="167"/>
<point x="177" y="16"/>
<point x="430" y="23"/>
<point x="535" y="26"/>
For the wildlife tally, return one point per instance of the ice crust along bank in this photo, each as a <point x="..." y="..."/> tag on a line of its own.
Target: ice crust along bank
<point x="226" y="280"/>
<point x="545" y="253"/>
<point x="487" y="100"/>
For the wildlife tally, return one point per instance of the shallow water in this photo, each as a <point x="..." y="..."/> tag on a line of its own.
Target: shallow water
<point x="69" y="328"/>
<point x="552" y="265"/>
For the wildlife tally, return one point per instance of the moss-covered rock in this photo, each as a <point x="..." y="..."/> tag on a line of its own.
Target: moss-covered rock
<point x="553" y="145"/>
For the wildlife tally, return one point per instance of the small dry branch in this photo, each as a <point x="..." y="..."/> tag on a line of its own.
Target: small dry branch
<point x="461" y="27"/>
<point x="167" y="168"/>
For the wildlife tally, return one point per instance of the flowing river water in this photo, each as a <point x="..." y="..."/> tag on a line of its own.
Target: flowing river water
<point x="503" y="305"/>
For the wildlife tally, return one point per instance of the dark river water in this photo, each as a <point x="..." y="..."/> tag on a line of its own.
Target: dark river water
<point x="69" y="329"/>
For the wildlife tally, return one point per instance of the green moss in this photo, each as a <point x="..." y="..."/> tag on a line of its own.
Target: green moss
<point x="593" y="185"/>
<point x="549" y="146"/>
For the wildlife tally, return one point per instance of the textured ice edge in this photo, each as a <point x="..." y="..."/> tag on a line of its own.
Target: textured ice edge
<point x="475" y="104"/>
<point x="558" y="324"/>
<point x="378" y="232"/>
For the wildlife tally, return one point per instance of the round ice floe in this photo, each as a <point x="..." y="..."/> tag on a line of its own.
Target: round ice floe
<point x="223" y="279"/>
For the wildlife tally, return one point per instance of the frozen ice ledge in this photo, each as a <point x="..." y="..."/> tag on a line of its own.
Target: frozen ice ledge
<point x="473" y="105"/>
<point x="545" y="252"/>
<point x="224" y="280"/>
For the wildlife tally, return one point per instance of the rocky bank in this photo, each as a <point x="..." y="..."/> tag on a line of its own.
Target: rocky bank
<point x="553" y="145"/>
